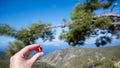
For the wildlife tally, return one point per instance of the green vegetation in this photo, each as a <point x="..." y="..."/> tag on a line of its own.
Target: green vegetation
<point x="5" y="64"/>
<point x="104" y="57"/>
<point x="84" y="23"/>
<point x="4" y="56"/>
<point x="25" y="36"/>
<point x="107" y="63"/>
<point x="4" y="60"/>
<point x="42" y="65"/>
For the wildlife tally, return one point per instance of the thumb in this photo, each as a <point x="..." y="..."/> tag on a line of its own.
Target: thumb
<point x="35" y="57"/>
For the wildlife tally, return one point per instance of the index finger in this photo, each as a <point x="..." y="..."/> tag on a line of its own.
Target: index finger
<point x="26" y="50"/>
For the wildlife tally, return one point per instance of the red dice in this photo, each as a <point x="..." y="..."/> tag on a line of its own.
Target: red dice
<point x="39" y="49"/>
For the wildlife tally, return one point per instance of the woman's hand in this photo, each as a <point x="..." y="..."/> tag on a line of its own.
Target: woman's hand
<point x="19" y="59"/>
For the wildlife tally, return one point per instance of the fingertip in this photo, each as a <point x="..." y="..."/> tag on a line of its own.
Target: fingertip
<point x="41" y="53"/>
<point x="36" y="57"/>
<point x="35" y="45"/>
<point x="29" y="48"/>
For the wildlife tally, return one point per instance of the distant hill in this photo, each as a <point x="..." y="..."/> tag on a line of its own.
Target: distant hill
<point x="74" y="57"/>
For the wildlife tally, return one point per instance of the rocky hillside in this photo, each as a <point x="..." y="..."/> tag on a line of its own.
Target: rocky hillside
<point x="75" y="57"/>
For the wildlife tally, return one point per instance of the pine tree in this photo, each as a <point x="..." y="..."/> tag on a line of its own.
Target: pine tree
<point x="85" y="23"/>
<point x="25" y="36"/>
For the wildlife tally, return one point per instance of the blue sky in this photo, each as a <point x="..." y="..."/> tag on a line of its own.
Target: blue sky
<point x="22" y="13"/>
<point x="25" y="12"/>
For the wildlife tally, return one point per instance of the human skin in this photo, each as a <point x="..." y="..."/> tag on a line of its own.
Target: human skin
<point x="19" y="59"/>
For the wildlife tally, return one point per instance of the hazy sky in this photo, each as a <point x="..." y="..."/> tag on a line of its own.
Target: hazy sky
<point x="21" y="13"/>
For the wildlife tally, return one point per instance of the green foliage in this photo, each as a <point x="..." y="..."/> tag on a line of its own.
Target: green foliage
<point x="78" y="29"/>
<point x="14" y="47"/>
<point x="26" y="36"/>
<point x="95" y="4"/>
<point x="103" y="22"/>
<point x="7" y="30"/>
<point x="30" y="34"/>
<point x="4" y="63"/>
<point x="103" y="40"/>
<point x="84" y="22"/>
<point x="82" y="26"/>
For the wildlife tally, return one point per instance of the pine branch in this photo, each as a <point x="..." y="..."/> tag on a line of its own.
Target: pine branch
<point x="65" y="25"/>
<point x="117" y="23"/>
<point x="107" y="15"/>
<point x="62" y="26"/>
<point x="102" y="15"/>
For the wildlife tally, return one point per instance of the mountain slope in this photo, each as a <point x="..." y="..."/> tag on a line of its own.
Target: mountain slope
<point x="77" y="57"/>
